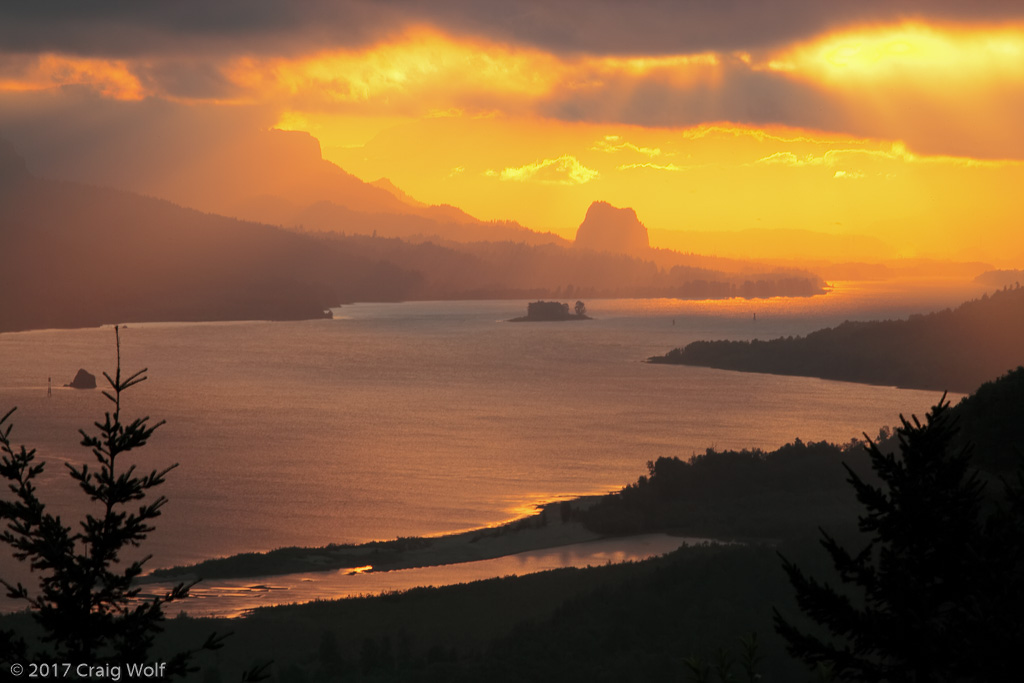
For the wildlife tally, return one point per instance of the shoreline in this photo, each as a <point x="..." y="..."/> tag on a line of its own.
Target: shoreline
<point x="548" y="528"/>
<point x="233" y="598"/>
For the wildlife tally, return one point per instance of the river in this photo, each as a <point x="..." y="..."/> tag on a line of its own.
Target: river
<point x="426" y="418"/>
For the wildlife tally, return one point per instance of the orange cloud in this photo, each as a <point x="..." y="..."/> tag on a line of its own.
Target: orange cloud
<point x="678" y="71"/>
<point x="653" y="167"/>
<point x="910" y="54"/>
<point x="944" y="89"/>
<point x="613" y="143"/>
<point x="760" y="133"/>
<point x="564" y="170"/>
<point x="110" y="77"/>
<point x="425" y="71"/>
<point x="421" y="74"/>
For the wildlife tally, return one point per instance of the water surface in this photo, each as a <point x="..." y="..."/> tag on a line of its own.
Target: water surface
<point x="431" y="417"/>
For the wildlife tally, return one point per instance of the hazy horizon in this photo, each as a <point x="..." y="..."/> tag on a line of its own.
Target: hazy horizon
<point x="882" y="127"/>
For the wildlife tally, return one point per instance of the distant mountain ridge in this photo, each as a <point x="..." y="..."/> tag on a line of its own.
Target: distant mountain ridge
<point x="280" y="177"/>
<point x="396" y="192"/>
<point x="78" y="256"/>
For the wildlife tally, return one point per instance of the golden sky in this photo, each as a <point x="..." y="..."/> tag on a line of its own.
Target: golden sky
<point x="901" y="121"/>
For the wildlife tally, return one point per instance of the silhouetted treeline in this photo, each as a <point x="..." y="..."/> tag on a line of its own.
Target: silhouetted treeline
<point x="950" y="350"/>
<point x="293" y="559"/>
<point x="735" y="494"/>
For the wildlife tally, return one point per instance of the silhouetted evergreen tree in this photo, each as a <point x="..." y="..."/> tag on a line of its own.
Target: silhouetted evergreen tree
<point x="86" y="606"/>
<point x="938" y="585"/>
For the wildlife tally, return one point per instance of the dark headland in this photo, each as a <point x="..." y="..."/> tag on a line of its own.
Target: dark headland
<point x="949" y="350"/>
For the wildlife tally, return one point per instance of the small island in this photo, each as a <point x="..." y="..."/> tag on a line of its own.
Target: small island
<point x="83" y="380"/>
<point x="546" y="311"/>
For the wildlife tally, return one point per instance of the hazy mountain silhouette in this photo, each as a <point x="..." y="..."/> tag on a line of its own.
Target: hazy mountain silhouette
<point x="607" y="228"/>
<point x="398" y="193"/>
<point x="281" y="178"/>
<point x="81" y="256"/>
<point x="285" y="165"/>
<point x="435" y="223"/>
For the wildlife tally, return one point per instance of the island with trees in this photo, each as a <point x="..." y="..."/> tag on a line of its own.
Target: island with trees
<point x="547" y="311"/>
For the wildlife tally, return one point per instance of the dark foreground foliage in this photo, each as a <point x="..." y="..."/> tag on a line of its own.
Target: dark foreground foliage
<point x="86" y="609"/>
<point x="938" y="587"/>
<point x="991" y="420"/>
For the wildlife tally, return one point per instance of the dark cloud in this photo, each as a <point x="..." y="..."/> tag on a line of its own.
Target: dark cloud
<point x="740" y="95"/>
<point x="186" y="79"/>
<point x="180" y="45"/>
<point x="129" y="28"/>
<point x="126" y="28"/>
<point x="674" y="27"/>
<point x="982" y="128"/>
<point x="74" y="133"/>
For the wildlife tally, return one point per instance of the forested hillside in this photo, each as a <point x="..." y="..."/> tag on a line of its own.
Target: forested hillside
<point x="795" y="489"/>
<point x="949" y="350"/>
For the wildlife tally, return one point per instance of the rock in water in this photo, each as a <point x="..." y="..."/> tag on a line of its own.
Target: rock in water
<point x="607" y="228"/>
<point x="83" y="380"/>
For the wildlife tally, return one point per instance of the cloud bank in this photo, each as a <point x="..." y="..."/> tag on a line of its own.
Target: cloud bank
<point x="127" y="28"/>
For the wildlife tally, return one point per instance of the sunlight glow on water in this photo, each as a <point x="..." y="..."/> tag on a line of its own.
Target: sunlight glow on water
<point x="426" y="418"/>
